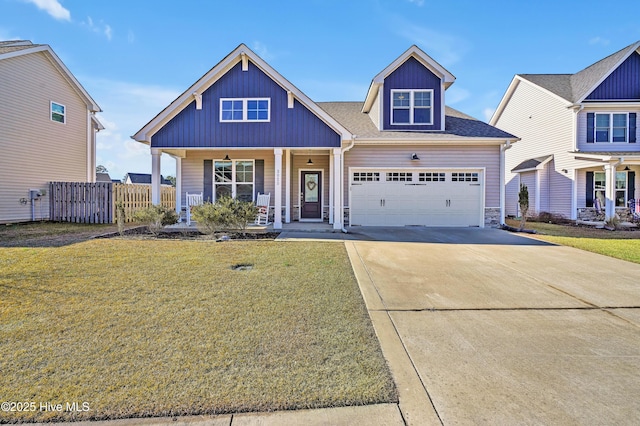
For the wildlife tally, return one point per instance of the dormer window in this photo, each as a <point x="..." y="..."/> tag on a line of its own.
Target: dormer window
<point x="411" y="106"/>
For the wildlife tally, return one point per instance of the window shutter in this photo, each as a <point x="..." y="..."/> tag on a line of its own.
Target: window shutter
<point x="589" y="190"/>
<point x="207" y="193"/>
<point x="631" y="185"/>
<point x="259" y="178"/>
<point x="590" y="129"/>
<point x="632" y="127"/>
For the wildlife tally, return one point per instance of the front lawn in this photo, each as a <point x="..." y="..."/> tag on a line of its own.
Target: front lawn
<point x="130" y="328"/>
<point x="622" y="244"/>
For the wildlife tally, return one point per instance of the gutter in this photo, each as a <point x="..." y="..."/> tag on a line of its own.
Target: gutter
<point x="345" y="149"/>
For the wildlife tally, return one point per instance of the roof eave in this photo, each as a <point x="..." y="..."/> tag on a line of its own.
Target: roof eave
<point x="144" y="135"/>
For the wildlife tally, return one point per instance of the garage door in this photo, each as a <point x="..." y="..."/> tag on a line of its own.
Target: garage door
<point x="386" y="197"/>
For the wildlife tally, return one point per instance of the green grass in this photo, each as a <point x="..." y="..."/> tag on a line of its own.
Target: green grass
<point x="622" y="244"/>
<point x="159" y="328"/>
<point x="50" y="234"/>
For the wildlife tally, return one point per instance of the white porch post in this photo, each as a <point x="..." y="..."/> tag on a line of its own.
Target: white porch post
<point x="277" y="218"/>
<point x="537" y="200"/>
<point x="574" y="195"/>
<point x="178" y="185"/>
<point x="287" y="186"/>
<point x="337" y="189"/>
<point x="155" y="175"/>
<point x="610" y="191"/>
<point x="331" y="191"/>
<point x="502" y="185"/>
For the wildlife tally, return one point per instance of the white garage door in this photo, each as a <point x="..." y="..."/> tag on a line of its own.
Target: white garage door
<point x="390" y="197"/>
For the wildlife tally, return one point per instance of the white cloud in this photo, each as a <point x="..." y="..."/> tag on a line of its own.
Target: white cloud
<point x="127" y="107"/>
<point x="446" y="49"/>
<point x="98" y="28"/>
<point x="53" y="8"/>
<point x="262" y="51"/>
<point x="488" y="113"/>
<point x="419" y="3"/>
<point x="599" y="40"/>
<point x="456" y="94"/>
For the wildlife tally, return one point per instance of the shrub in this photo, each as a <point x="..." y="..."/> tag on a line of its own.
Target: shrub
<point x="523" y="201"/>
<point x="225" y="213"/>
<point x="156" y="217"/>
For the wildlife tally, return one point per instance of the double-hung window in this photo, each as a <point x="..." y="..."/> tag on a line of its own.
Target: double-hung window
<point x="611" y="127"/>
<point x="234" y="178"/>
<point x="599" y="188"/>
<point x="411" y="106"/>
<point x="245" y="109"/>
<point x="58" y="112"/>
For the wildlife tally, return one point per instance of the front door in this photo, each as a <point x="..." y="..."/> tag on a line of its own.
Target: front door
<point x="311" y="198"/>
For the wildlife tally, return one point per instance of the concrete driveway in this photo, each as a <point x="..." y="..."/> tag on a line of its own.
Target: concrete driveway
<point x="481" y="326"/>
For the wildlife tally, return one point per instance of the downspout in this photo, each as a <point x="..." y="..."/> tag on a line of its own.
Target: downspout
<point x="345" y="149"/>
<point x="503" y="148"/>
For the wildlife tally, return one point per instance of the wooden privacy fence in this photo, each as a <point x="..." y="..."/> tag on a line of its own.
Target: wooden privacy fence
<point x="84" y="202"/>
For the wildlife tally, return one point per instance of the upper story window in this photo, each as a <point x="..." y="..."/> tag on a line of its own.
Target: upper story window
<point x="58" y="112"/>
<point x="412" y="107"/>
<point x="611" y="127"/>
<point x="245" y="109"/>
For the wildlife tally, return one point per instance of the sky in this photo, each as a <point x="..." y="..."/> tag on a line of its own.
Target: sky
<point x="134" y="57"/>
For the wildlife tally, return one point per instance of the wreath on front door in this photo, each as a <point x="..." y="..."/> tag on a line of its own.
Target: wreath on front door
<point x="312" y="185"/>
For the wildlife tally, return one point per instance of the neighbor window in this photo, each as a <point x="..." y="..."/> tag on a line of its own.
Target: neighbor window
<point x="248" y="109"/>
<point x="58" y="112"/>
<point x="234" y="179"/>
<point x="611" y="127"/>
<point x="599" y="185"/>
<point x="412" y="107"/>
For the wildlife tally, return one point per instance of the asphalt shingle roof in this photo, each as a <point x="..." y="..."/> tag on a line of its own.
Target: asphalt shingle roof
<point x="350" y="115"/>
<point x="15" y="45"/>
<point x="530" y="163"/>
<point x="574" y="87"/>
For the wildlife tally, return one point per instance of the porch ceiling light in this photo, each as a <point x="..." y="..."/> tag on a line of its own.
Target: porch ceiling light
<point x="626" y="168"/>
<point x="226" y="158"/>
<point x="309" y="162"/>
<point x="414" y="157"/>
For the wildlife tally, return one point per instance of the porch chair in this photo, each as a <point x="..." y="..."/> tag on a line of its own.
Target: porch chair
<point x="192" y="200"/>
<point x="262" y="203"/>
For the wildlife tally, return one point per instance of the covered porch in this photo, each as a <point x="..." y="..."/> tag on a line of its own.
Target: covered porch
<point x="608" y="182"/>
<point x="305" y="184"/>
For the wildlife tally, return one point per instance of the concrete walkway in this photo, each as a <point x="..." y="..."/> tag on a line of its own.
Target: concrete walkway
<point x="487" y="327"/>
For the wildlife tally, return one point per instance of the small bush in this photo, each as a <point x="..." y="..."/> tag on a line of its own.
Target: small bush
<point x="548" y="217"/>
<point x="156" y="217"/>
<point x="225" y="213"/>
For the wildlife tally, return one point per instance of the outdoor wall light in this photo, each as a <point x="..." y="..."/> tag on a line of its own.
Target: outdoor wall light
<point x="414" y="156"/>
<point x="226" y="158"/>
<point x="309" y="162"/>
<point x="626" y="168"/>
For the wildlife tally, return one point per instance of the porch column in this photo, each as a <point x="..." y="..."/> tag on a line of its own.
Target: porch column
<point x="179" y="186"/>
<point x="610" y="191"/>
<point x="502" y="185"/>
<point x="287" y="186"/>
<point x="155" y="175"/>
<point x="277" y="217"/>
<point x="537" y="200"/>
<point x="574" y="195"/>
<point x="331" y="191"/>
<point x="337" y="189"/>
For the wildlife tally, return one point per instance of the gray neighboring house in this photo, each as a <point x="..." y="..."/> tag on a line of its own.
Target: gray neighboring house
<point x="143" y="179"/>
<point x="578" y="152"/>
<point x="47" y="129"/>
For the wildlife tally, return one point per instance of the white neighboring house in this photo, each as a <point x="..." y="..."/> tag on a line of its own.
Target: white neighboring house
<point x="47" y="129"/>
<point x="578" y="148"/>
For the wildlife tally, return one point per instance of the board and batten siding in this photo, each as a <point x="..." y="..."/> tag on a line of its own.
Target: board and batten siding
<point x="439" y="156"/>
<point x="36" y="150"/>
<point x="545" y="126"/>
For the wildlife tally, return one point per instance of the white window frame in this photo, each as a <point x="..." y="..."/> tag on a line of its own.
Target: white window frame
<point x="602" y="177"/>
<point x="610" y="128"/>
<point x="245" y="102"/>
<point x="64" y="112"/>
<point x="412" y="107"/>
<point x="234" y="183"/>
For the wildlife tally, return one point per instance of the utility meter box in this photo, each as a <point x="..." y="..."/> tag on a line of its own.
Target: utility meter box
<point x="34" y="194"/>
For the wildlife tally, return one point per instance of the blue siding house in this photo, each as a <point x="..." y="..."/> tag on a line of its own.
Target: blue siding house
<point x="579" y="154"/>
<point x="399" y="158"/>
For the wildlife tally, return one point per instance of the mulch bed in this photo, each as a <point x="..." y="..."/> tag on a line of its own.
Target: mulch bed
<point x="142" y="232"/>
